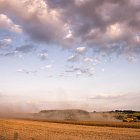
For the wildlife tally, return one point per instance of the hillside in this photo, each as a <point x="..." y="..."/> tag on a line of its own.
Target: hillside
<point x="69" y="114"/>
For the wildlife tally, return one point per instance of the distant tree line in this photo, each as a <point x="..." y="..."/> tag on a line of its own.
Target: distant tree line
<point x="127" y="111"/>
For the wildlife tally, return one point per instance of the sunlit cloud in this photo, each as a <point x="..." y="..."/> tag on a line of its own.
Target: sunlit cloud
<point x="81" y="49"/>
<point x="8" y="24"/>
<point x="99" y="29"/>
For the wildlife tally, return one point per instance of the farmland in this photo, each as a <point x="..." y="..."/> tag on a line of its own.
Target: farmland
<point x="14" y="129"/>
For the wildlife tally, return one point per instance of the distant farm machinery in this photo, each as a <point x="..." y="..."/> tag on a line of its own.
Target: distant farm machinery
<point x="130" y="118"/>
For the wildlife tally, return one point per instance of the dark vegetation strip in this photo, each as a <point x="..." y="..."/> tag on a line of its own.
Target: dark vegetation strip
<point x="135" y="125"/>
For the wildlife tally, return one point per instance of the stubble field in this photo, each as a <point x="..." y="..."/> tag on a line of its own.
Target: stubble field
<point x="12" y="129"/>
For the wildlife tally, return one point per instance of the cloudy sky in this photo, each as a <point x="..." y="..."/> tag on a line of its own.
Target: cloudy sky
<point x="57" y="54"/>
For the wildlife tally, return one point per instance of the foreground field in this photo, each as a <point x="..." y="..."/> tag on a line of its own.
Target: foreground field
<point x="37" y="130"/>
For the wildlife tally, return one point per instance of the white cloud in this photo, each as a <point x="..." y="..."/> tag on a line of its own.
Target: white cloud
<point x="108" y="96"/>
<point x="7" y="23"/>
<point x="7" y="40"/>
<point x="78" y="73"/>
<point x="114" y="31"/>
<point x="20" y="70"/>
<point x="43" y="56"/>
<point x="48" y="66"/>
<point x="4" y="42"/>
<point x="72" y="58"/>
<point x="27" y="71"/>
<point x="38" y="20"/>
<point x="87" y="59"/>
<point x="81" y="49"/>
<point x="69" y="35"/>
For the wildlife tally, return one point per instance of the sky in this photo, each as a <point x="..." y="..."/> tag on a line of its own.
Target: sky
<point x="64" y="54"/>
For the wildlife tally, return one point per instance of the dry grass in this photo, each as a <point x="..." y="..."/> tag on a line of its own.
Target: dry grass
<point x="37" y="130"/>
<point x="135" y="125"/>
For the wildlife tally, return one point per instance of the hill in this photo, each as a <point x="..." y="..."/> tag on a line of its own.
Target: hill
<point x="69" y="114"/>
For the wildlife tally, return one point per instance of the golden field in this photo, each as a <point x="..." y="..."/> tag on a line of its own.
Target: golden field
<point x="12" y="129"/>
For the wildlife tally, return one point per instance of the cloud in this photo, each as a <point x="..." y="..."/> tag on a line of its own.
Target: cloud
<point x="8" y="24"/>
<point x="108" y="96"/>
<point x="86" y="63"/>
<point x="48" y="66"/>
<point x="43" y="55"/>
<point x="79" y="71"/>
<point x="95" y="24"/>
<point x="4" y="42"/>
<point x="100" y="25"/>
<point x="25" y="48"/>
<point x="73" y="58"/>
<point x="88" y="59"/>
<point x="13" y="53"/>
<point x="17" y="51"/>
<point x="8" y="47"/>
<point x="69" y="35"/>
<point x="77" y="54"/>
<point x="27" y="71"/>
<point x="40" y="22"/>
<point x="81" y="50"/>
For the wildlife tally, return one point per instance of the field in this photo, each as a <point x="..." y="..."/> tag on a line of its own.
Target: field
<point x="16" y="129"/>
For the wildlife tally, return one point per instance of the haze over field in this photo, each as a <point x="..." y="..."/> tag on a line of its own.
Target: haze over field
<point x="69" y="54"/>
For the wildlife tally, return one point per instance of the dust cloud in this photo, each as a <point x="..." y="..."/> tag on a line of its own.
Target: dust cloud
<point x="33" y="112"/>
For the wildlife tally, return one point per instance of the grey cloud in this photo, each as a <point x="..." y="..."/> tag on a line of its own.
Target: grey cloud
<point x="10" y="53"/>
<point x="106" y="25"/>
<point x="16" y="51"/>
<point x="81" y="71"/>
<point x="13" y="53"/>
<point x="73" y="69"/>
<point x="93" y="22"/>
<point x="38" y="21"/>
<point x="25" y="48"/>
<point x="43" y="56"/>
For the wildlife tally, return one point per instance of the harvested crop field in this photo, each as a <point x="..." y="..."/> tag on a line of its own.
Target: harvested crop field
<point x="37" y="130"/>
